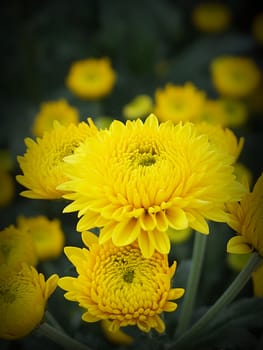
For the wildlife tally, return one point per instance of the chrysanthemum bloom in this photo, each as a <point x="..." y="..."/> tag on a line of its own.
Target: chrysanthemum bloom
<point x="235" y="77"/>
<point x="120" y="285"/>
<point x="6" y="160"/>
<point x="139" y="107"/>
<point x="54" y="110"/>
<point x="42" y="164"/>
<point x="178" y="103"/>
<point x="234" y="112"/>
<point x="223" y="138"/>
<point x="246" y="219"/>
<point x="47" y="235"/>
<point x="137" y="179"/>
<point x="211" y="17"/>
<point x="7" y="188"/>
<point x="91" y="78"/>
<point x="257" y="28"/>
<point x="23" y="298"/>
<point x="16" y="247"/>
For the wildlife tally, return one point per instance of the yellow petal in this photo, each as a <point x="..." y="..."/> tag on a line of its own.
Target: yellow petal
<point x="147" y="248"/>
<point x="169" y="306"/>
<point x="87" y="317"/>
<point x="239" y="245"/>
<point x="126" y="232"/>
<point x="89" y="238"/>
<point x="177" y="218"/>
<point x="161" y="241"/>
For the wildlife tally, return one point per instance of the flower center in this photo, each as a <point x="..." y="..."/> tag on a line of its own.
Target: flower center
<point x="128" y="276"/>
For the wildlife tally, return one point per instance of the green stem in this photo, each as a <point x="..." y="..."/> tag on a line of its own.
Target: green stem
<point x="50" y="319"/>
<point x="192" y="283"/>
<point x="187" y="339"/>
<point x="60" y="337"/>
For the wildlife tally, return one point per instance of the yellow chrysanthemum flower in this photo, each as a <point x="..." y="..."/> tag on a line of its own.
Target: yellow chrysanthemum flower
<point x="178" y="103"/>
<point x="211" y="112"/>
<point x="6" y="160"/>
<point x="235" y="77"/>
<point x="144" y="177"/>
<point x="47" y="235"/>
<point x="7" y="188"/>
<point x="139" y="107"/>
<point x="23" y="298"/>
<point x="211" y="17"/>
<point x="223" y="138"/>
<point x="54" y="110"/>
<point x="42" y="164"/>
<point x="257" y="27"/>
<point x="246" y="219"/>
<point x="120" y="285"/>
<point x="91" y="78"/>
<point x="16" y="247"/>
<point x="234" y="113"/>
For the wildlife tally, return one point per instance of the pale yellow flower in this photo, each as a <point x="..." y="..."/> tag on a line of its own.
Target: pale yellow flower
<point x="139" y="107"/>
<point x="246" y="219"/>
<point x="178" y="103"/>
<point x="120" y="285"/>
<point x="92" y="78"/>
<point x="47" y="235"/>
<point x="23" y="298"/>
<point x="211" y="17"/>
<point x="59" y="110"/>
<point x="144" y="177"/>
<point x="7" y="188"/>
<point x="17" y="247"/>
<point x="42" y="164"/>
<point x="235" y="76"/>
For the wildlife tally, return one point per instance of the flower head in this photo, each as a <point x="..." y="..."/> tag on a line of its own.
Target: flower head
<point x="246" y="219"/>
<point x="42" y="164"/>
<point x="47" y="235"/>
<point x="235" y="77"/>
<point x="211" y="17"/>
<point x="139" y="107"/>
<point x="16" y="247"/>
<point x="178" y="103"/>
<point x="120" y="285"/>
<point x="23" y="297"/>
<point x="7" y="188"/>
<point x="144" y="177"/>
<point x="91" y="78"/>
<point x="54" y="110"/>
<point x="223" y="138"/>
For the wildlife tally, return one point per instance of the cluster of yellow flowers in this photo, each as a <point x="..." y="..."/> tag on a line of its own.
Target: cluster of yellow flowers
<point x="140" y="184"/>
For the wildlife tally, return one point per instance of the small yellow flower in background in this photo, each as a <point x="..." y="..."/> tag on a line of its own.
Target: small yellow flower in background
<point x="223" y="138"/>
<point x="211" y="112"/>
<point x="257" y="28"/>
<point x="139" y="107"/>
<point x="118" y="337"/>
<point x="211" y="17"/>
<point x="23" y="298"/>
<point x="42" y="164"/>
<point x="234" y="113"/>
<point x="120" y="285"/>
<point x="144" y="177"/>
<point x="16" y="247"/>
<point x="179" y="236"/>
<point x="6" y="161"/>
<point x="178" y="103"/>
<point x="243" y="174"/>
<point x="235" y="77"/>
<point x="54" y="110"/>
<point x="47" y="235"/>
<point x="92" y="78"/>
<point x="7" y="188"/>
<point x="103" y="122"/>
<point x="246" y="219"/>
